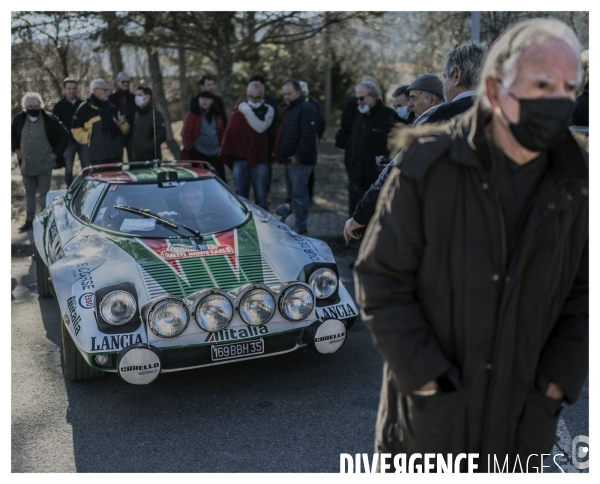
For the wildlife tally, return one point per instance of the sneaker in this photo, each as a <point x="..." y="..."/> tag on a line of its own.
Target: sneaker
<point x="25" y="227"/>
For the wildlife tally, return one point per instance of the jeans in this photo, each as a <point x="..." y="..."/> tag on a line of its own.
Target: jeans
<point x="258" y="174"/>
<point x="33" y="184"/>
<point x="69" y="155"/>
<point x="298" y="175"/>
<point x="355" y="195"/>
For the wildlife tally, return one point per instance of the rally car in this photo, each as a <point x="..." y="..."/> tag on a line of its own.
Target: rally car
<point x="160" y="267"/>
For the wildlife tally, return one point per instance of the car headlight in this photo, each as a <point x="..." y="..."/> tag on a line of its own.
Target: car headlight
<point x="257" y="307"/>
<point x="168" y="318"/>
<point x="214" y="312"/>
<point x="324" y="282"/>
<point x="118" y="307"/>
<point x="296" y="303"/>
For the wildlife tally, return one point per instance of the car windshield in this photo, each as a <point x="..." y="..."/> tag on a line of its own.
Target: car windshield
<point x="204" y="205"/>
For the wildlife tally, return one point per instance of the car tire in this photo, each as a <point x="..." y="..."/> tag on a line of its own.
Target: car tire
<point x="43" y="276"/>
<point x="74" y="366"/>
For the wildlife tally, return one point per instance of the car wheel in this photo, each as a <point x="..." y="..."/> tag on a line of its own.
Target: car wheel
<point x="43" y="276"/>
<point x="74" y="366"/>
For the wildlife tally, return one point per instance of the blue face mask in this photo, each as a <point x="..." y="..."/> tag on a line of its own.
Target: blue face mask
<point x="364" y="110"/>
<point x="402" y="112"/>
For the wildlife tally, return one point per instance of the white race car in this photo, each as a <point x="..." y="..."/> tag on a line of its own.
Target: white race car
<point x="160" y="267"/>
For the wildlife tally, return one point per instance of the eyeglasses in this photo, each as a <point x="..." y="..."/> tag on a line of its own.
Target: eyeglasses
<point x="124" y="82"/>
<point x="362" y="98"/>
<point x="105" y="89"/>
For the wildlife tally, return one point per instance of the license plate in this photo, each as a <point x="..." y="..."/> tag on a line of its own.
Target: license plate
<point x="237" y="350"/>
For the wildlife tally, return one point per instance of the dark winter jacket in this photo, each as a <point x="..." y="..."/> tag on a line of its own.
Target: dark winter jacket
<point x="125" y="104"/>
<point x="65" y="110"/>
<point x="368" y="139"/>
<point x="445" y="111"/>
<point x="366" y="207"/>
<point x="217" y="106"/>
<point x="147" y="122"/>
<point x="272" y="131"/>
<point x="56" y="132"/>
<point x="104" y="137"/>
<point x="320" y="114"/>
<point x="449" y="295"/>
<point x="297" y="135"/>
<point x="349" y="112"/>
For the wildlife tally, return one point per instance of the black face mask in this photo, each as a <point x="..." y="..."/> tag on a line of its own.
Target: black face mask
<point x="543" y="122"/>
<point x="34" y="113"/>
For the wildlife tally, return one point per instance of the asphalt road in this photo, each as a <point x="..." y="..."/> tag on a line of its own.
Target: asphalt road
<point x="291" y="413"/>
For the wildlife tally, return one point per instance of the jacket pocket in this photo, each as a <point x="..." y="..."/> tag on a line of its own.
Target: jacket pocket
<point x="435" y="424"/>
<point x="537" y="427"/>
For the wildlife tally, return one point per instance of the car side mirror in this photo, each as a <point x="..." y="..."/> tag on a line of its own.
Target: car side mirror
<point x="283" y="211"/>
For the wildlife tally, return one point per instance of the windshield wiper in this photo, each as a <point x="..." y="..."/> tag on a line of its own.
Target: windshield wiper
<point x="144" y="212"/>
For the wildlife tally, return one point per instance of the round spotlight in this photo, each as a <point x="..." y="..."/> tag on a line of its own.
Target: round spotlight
<point x="296" y="302"/>
<point x="324" y="282"/>
<point x="214" y="312"/>
<point x="118" y="307"/>
<point x="257" y="307"/>
<point x="168" y="318"/>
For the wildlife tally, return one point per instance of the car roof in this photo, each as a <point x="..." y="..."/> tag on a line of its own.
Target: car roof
<point x="149" y="175"/>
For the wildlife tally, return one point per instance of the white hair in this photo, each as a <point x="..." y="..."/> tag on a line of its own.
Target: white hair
<point x="373" y="89"/>
<point x="121" y="74"/>
<point x="32" y="95"/>
<point x="502" y="60"/>
<point x="256" y="85"/>
<point x="94" y="84"/>
<point x="304" y="87"/>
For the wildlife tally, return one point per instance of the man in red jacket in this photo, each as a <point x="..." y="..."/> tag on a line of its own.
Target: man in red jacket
<point x="245" y="144"/>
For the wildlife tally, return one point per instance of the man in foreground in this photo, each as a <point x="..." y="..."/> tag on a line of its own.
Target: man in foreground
<point x="473" y="275"/>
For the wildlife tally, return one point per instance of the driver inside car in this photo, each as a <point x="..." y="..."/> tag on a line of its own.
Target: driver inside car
<point x="191" y="200"/>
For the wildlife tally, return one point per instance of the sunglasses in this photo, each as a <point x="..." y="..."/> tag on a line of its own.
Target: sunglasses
<point x="362" y="98"/>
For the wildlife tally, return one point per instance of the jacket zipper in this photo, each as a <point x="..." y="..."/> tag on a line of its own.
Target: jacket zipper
<point x="491" y="377"/>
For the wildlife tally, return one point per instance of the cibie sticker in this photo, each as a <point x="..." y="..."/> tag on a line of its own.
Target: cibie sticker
<point x="87" y="300"/>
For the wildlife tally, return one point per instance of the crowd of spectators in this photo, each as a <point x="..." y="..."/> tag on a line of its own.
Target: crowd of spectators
<point x="258" y="133"/>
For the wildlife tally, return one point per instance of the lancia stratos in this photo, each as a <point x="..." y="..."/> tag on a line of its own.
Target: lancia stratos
<point x="159" y="267"/>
